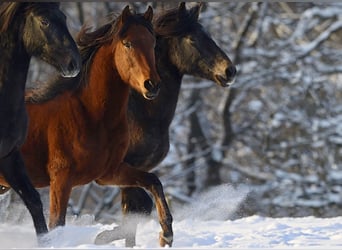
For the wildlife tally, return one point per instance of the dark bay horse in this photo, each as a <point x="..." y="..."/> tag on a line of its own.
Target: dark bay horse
<point x="27" y="29"/>
<point x="183" y="47"/>
<point x="82" y="135"/>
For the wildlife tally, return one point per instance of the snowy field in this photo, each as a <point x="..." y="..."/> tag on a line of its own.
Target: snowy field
<point x="199" y="226"/>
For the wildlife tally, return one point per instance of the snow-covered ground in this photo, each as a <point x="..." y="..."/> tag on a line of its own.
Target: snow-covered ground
<point x="201" y="225"/>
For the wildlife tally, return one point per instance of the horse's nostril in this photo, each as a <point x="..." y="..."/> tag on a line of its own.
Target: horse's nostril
<point x="148" y="84"/>
<point x="152" y="89"/>
<point x="72" y="66"/>
<point x="231" y="71"/>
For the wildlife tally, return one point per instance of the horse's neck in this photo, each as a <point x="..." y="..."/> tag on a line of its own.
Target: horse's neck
<point x="171" y="76"/>
<point x="14" y="64"/>
<point x="171" y="79"/>
<point x="161" y="109"/>
<point x="106" y="95"/>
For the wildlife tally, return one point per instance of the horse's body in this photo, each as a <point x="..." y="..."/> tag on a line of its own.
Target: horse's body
<point x="183" y="47"/>
<point x="27" y="29"/>
<point x="82" y="136"/>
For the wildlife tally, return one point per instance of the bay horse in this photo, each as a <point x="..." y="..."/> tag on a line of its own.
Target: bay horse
<point x="28" y="29"/>
<point x="83" y="135"/>
<point x="183" y="47"/>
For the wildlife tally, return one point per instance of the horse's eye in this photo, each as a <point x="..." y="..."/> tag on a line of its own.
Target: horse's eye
<point x="127" y="44"/>
<point x="44" y="22"/>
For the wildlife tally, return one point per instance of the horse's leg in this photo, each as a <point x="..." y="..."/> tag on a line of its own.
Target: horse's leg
<point x="13" y="169"/>
<point x="60" y="189"/>
<point x="127" y="176"/>
<point x="134" y="201"/>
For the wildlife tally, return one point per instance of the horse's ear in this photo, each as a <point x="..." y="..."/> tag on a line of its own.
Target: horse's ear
<point x="196" y="10"/>
<point x="125" y="13"/>
<point x="182" y="7"/>
<point x="149" y="14"/>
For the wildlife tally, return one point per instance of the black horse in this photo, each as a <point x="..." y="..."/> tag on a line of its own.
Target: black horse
<point x="183" y="47"/>
<point x="28" y="29"/>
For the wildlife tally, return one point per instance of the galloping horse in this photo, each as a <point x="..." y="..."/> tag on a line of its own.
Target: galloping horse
<point x="183" y="47"/>
<point x="82" y="135"/>
<point x="28" y="29"/>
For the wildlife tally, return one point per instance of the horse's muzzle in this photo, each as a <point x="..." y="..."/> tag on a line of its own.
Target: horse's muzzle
<point x="72" y="66"/>
<point x="228" y="78"/>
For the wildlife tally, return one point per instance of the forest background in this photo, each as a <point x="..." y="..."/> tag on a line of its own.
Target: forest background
<point x="274" y="137"/>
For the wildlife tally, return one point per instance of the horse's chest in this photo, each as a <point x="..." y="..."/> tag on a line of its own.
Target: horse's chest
<point x="112" y="144"/>
<point x="149" y="150"/>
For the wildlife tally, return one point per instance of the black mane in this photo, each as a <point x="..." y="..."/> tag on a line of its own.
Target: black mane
<point x="168" y="23"/>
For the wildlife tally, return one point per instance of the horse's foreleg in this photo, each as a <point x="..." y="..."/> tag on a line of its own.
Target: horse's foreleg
<point x="13" y="169"/>
<point x="127" y="176"/>
<point x="60" y="189"/>
<point x="134" y="201"/>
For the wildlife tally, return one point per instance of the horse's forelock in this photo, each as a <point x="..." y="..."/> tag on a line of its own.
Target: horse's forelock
<point x="137" y="19"/>
<point x="174" y="23"/>
<point x="8" y="10"/>
<point x="41" y="8"/>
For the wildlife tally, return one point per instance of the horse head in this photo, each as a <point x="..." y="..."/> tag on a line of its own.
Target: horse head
<point x="45" y="35"/>
<point x="191" y="49"/>
<point x="134" y="57"/>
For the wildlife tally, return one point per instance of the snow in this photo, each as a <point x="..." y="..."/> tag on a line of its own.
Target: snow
<point x="249" y="232"/>
<point x="201" y="225"/>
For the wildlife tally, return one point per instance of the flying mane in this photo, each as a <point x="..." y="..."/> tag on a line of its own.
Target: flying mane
<point x="167" y="24"/>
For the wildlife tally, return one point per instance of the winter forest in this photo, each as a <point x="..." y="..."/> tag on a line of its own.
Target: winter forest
<point x="275" y="135"/>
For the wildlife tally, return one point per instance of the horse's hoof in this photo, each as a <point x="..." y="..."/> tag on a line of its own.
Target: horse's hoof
<point x="44" y="241"/>
<point x="108" y="236"/>
<point x="130" y="241"/>
<point x="165" y="240"/>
